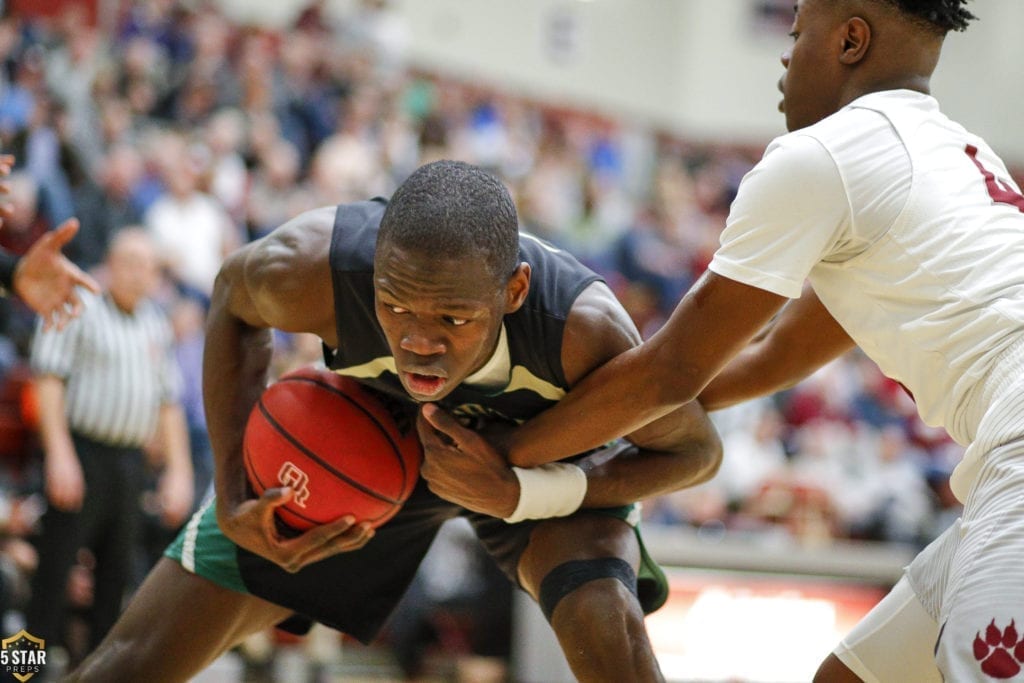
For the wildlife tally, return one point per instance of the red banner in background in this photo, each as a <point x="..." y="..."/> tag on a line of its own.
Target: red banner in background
<point x="87" y="9"/>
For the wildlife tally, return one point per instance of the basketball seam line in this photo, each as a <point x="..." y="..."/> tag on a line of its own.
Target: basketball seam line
<point x="383" y="429"/>
<point x="320" y="461"/>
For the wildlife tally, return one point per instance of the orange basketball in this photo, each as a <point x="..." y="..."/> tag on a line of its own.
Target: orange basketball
<point x="335" y="444"/>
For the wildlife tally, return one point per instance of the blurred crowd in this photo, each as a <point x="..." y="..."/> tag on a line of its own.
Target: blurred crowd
<point x="209" y="134"/>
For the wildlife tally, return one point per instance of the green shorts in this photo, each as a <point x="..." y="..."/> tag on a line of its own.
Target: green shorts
<point x="355" y="592"/>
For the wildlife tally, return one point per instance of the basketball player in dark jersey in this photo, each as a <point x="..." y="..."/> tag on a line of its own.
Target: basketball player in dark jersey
<point x="432" y="297"/>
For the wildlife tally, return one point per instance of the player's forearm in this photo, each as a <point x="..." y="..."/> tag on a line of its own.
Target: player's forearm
<point x="745" y="378"/>
<point x="618" y="398"/>
<point x="680" y="450"/>
<point x="236" y="359"/>
<point x="638" y="474"/>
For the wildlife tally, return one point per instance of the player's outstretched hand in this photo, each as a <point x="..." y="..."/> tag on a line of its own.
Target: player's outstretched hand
<point x="45" y="279"/>
<point x="463" y="467"/>
<point x="251" y="525"/>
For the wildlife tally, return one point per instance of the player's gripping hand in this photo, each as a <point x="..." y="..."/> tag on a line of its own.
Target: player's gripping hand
<point x="252" y="525"/>
<point x="462" y="467"/>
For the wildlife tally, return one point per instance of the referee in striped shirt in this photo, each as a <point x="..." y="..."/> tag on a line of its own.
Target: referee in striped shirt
<point x="106" y="385"/>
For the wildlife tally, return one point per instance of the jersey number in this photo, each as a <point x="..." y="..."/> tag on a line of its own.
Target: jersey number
<point x="998" y="190"/>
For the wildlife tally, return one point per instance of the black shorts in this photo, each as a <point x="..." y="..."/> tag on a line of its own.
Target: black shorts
<point x="355" y="592"/>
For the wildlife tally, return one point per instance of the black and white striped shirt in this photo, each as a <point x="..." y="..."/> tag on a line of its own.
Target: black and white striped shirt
<point x="118" y="369"/>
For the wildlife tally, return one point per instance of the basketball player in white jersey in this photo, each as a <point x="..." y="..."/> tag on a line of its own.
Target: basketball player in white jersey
<point x="910" y="234"/>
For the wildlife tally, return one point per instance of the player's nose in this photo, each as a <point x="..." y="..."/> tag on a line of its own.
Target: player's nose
<point x="422" y="342"/>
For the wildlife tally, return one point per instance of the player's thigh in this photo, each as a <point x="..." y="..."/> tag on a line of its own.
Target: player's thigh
<point x="174" y="626"/>
<point x="983" y="604"/>
<point x="582" y="536"/>
<point x="893" y="643"/>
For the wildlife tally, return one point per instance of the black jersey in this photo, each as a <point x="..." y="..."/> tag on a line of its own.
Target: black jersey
<point x="534" y="332"/>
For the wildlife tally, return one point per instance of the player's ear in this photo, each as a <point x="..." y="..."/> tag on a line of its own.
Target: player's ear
<point x="517" y="288"/>
<point x="856" y="36"/>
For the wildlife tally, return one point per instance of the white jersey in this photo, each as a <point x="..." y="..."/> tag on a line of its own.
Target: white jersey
<point x="911" y="232"/>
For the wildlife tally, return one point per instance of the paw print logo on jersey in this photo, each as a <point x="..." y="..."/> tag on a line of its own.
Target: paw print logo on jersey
<point x="1000" y="652"/>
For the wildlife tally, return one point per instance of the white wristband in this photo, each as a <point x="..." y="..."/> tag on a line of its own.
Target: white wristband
<point x="553" y="490"/>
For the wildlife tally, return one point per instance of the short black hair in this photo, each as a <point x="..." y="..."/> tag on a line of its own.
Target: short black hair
<point x="454" y="209"/>
<point x="940" y="15"/>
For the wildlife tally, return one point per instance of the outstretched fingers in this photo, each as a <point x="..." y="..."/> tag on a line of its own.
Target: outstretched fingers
<point x="57" y="239"/>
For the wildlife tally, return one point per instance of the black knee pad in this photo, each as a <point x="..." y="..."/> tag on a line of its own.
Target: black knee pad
<point x="567" y="577"/>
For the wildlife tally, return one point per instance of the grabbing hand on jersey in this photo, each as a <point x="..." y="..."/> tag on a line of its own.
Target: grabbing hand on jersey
<point x="464" y="468"/>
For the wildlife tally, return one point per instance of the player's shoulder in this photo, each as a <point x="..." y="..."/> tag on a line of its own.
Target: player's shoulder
<point x="597" y="329"/>
<point x="298" y="243"/>
<point x="866" y="121"/>
<point x="353" y="214"/>
<point x="596" y="307"/>
<point x="314" y="229"/>
<point x="833" y="142"/>
<point x="320" y="218"/>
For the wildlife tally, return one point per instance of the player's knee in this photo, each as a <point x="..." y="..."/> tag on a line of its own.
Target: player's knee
<point x="577" y="577"/>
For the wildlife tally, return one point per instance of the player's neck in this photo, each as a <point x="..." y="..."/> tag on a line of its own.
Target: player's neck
<point x="917" y="83"/>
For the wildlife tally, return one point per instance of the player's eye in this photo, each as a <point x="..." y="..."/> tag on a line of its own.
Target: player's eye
<point x="794" y="35"/>
<point x="397" y="310"/>
<point x="456" y="322"/>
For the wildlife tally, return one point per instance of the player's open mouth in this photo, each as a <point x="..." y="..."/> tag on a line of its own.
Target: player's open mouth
<point x="424" y="385"/>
